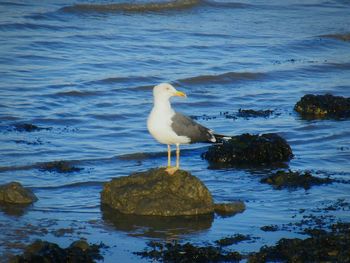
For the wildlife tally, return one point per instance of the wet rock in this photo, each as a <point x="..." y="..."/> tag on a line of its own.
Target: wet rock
<point x="42" y="251"/>
<point x="228" y="209"/>
<point x="291" y="180"/>
<point x="246" y="149"/>
<point x="15" y="193"/>
<point x="322" y="246"/>
<point x="228" y="241"/>
<point x="155" y="192"/>
<point x="320" y="106"/>
<point x="188" y="253"/>
<point x="59" y="167"/>
<point x="249" y="113"/>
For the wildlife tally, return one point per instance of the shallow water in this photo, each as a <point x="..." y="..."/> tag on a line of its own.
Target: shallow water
<point x="86" y="72"/>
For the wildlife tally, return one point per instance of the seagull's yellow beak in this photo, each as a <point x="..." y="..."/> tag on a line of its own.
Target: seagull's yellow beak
<point x="180" y="94"/>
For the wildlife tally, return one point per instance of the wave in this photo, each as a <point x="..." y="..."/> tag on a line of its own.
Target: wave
<point x="33" y="26"/>
<point x="222" y="78"/>
<point x="130" y="7"/>
<point x="76" y="93"/>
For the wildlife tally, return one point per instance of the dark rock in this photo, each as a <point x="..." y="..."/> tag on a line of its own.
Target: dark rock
<point x="227" y="209"/>
<point x="270" y="228"/>
<point x="320" y="106"/>
<point x="246" y="149"/>
<point x="322" y="246"/>
<point x="15" y="193"/>
<point x="254" y="113"/>
<point x="228" y="241"/>
<point x="163" y="227"/>
<point x="188" y="253"/>
<point x="155" y="192"/>
<point x="42" y="251"/>
<point x="59" y="167"/>
<point x="289" y="179"/>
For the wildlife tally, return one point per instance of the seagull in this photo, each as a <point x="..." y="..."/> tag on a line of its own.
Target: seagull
<point x="173" y="128"/>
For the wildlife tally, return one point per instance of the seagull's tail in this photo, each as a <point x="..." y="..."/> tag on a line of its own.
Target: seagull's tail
<point x="220" y="137"/>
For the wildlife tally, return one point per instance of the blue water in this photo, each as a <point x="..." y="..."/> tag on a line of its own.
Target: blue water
<point x="85" y="70"/>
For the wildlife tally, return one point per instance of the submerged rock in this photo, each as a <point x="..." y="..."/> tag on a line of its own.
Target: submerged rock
<point x="322" y="246"/>
<point x="15" y="193"/>
<point x="59" y="167"/>
<point x="319" y="106"/>
<point x="344" y="37"/>
<point x="28" y="127"/>
<point x="246" y="149"/>
<point x="228" y="209"/>
<point x="282" y="179"/>
<point x="42" y="251"/>
<point x="155" y="192"/>
<point x="249" y="113"/>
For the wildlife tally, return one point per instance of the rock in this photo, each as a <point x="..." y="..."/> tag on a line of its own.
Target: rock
<point x="319" y="106"/>
<point x="15" y="193"/>
<point x="227" y="209"/>
<point x="59" y="167"/>
<point x="246" y="149"/>
<point x="322" y="246"/>
<point x="42" y="251"/>
<point x="155" y="192"/>
<point x="282" y="179"/>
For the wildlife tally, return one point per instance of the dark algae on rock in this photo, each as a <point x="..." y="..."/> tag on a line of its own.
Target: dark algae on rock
<point x="43" y="251"/>
<point x="228" y="241"/>
<point x="247" y="149"/>
<point x="155" y="192"/>
<point x="15" y="193"/>
<point x="292" y="180"/>
<point x="321" y="246"/>
<point x="321" y="106"/>
<point x="188" y="253"/>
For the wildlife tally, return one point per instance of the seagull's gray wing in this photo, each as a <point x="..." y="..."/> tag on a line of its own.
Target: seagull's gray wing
<point x="185" y="126"/>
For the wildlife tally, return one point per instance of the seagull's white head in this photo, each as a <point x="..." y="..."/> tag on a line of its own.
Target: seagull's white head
<point x="165" y="91"/>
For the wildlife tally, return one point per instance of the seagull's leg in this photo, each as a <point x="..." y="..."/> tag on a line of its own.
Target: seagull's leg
<point x="170" y="170"/>
<point x="169" y="155"/>
<point x="177" y="156"/>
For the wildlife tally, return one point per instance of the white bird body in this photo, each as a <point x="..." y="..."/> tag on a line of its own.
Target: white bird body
<point x="169" y="127"/>
<point x="159" y="124"/>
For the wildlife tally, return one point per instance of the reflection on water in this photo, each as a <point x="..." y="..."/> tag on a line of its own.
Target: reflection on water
<point x="156" y="226"/>
<point x="16" y="210"/>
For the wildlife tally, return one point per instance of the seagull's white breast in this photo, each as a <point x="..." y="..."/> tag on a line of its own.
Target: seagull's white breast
<point x="159" y="125"/>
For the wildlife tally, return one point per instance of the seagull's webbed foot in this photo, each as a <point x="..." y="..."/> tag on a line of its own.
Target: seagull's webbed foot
<point x="171" y="169"/>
